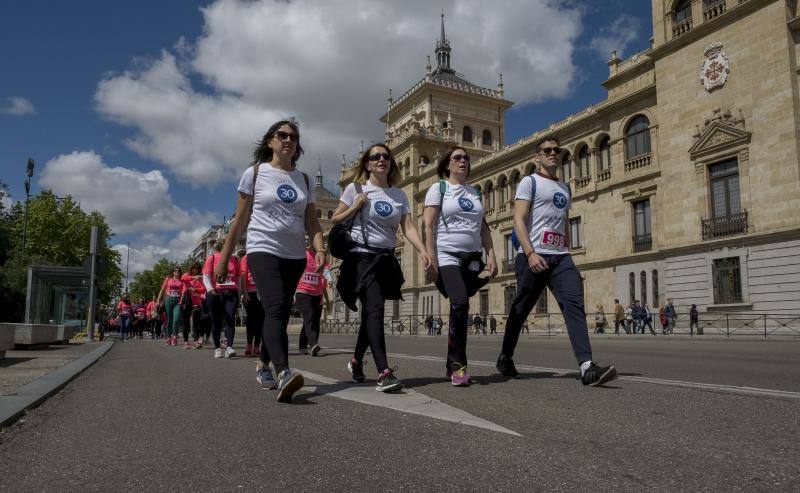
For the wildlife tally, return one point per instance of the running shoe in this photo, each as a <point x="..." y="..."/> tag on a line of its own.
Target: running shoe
<point x="303" y="350"/>
<point x="174" y="340"/>
<point x="356" y="369"/>
<point x="248" y="351"/>
<point x="505" y="366"/>
<point x="218" y="353"/>
<point x="197" y="345"/>
<point x="315" y="350"/>
<point x="264" y="377"/>
<point x="200" y="342"/>
<point x="169" y="341"/>
<point x="257" y="350"/>
<point x="387" y="382"/>
<point x="288" y="384"/>
<point x="229" y="351"/>
<point x="598" y="375"/>
<point x="460" y="377"/>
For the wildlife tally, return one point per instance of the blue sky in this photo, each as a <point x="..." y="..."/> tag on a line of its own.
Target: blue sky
<point x="147" y="110"/>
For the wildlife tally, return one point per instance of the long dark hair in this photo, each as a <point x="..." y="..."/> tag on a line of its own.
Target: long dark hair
<point x="362" y="174"/>
<point x="263" y="152"/>
<point x="443" y="168"/>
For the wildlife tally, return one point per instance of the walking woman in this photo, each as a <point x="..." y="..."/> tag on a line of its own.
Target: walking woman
<point x="222" y="296"/>
<point x="456" y="235"/>
<point x="171" y="291"/>
<point x="194" y="292"/>
<point x="276" y="206"/>
<point x="371" y="273"/>
<point x="310" y="292"/>
<point x="252" y="305"/>
<point x="124" y="312"/>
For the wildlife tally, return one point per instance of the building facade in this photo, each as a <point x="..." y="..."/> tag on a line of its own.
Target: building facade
<point x="685" y="179"/>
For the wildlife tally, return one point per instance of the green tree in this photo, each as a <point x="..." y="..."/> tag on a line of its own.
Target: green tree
<point x="147" y="284"/>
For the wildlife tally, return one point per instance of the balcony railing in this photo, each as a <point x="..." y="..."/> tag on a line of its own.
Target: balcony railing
<point x="721" y="226"/>
<point x="640" y="161"/>
<point x="583" y="181"/>
<point x="713" y="8"/>
<point x="508" y="266"/>
<point x="489" y="212"/>
<point x="604" y="174"/>
<point x="642" y="243"/>
<point x="501" y="208"/>
<point x="682" y="27"/>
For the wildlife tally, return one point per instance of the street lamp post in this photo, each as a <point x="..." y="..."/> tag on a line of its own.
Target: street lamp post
<point x="28" y="176"/>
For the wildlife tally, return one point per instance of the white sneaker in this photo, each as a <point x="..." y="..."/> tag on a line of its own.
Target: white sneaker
<point x="229" y="352"/>
<point x="218" y="353"/>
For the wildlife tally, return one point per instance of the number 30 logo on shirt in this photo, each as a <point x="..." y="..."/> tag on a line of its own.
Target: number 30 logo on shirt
<point x="287" y="194"/>
<point x="383" y="208"/>
<point x="559" y="200"/>
<point x="466" y="204"/>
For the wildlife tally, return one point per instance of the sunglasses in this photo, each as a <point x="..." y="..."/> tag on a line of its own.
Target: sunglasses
<point x="284" y="136"/>
<point x="460" y="157"/>
<point x="378" y="155"/>
<point x="550" y="150"/>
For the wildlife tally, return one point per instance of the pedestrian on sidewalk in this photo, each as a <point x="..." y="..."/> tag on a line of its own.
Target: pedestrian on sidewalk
<point x="171" y="291"/>
<point x="456" y="237"/>
<point x="276" y="207"/>
<point x="629" y="326"/>
<point x="648" y="319"/>
<point x="192" y="303"/>
<point x="638" y="317"/>
<point x="311" y="293"/>
<point x="540" y="218"/>
<point x="619" y="317"/>
<point x="599" y="319"/>
<point x="254" y="310"/>
<point x="124" y="314"/>
<point x="669" y="312"/>
<point x="694" y="320"/>
<point x="662" y="318"/>
<point x="492" y="324"/>
<point x="222" y="296"/>
<point x="370" y="272"/>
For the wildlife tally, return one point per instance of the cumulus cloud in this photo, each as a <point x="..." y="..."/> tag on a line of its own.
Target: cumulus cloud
<point x="132" y="201"/>
<point x="329" y="64"/>
<point x="618" y="36"/>
<point x="150" y="248"/>
<point x="16" y="106"/>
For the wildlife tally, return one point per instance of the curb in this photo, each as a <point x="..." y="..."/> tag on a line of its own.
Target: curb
<point x="28" y="396"/>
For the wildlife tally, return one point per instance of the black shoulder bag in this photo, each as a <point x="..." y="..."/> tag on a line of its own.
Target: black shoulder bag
<point x="339" y="241"/>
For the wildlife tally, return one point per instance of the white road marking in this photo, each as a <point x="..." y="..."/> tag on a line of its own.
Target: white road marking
<point x="408" y="401"/>
<point x="711" y="387"/>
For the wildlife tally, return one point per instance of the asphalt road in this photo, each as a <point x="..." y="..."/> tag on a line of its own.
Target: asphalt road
<point x="685" y="415"/>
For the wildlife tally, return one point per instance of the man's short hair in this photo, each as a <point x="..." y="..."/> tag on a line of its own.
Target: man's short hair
<point x="616" y="300"/>
<point x="545" y="139"/>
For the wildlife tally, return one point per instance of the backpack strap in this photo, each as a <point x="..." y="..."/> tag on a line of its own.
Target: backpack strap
<point x="359" y="191"/>
<point x="305" y="177"/>
<point x="442" y="190"/>
<point x="256" y="167"/>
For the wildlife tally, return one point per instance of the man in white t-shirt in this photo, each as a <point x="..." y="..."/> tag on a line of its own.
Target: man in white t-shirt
<point x="540" y="220"/>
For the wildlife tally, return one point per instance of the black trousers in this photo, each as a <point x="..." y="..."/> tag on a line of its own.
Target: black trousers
<point x="310" y="308"/>
<point x="370" y="331"/>
<point x="222" y="306"/>
<point x="255" y="319"/>
<point x="276" y="279"/>
<point x="455" y="284"/>
<point x="191" y="317"/>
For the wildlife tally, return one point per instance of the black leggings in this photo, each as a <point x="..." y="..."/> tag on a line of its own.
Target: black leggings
<point x="255" y="319"/>
<point x="370" y="332"/>
<point x="276" y="279"/>
<point x="222" y="306"/>
<point x="310" y="308"/>
<point x="455" y="284"/>
<point x="191" y="314"/>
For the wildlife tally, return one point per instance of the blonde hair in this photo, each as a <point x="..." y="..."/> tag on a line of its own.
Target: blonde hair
<point x="362" y="173"/>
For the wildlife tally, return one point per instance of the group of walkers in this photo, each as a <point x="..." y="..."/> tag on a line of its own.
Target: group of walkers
<point x="286" y="255"/>
<point x="634" y="318"/>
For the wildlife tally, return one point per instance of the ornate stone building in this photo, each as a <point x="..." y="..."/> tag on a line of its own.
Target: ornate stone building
<point x="685" y="179"/>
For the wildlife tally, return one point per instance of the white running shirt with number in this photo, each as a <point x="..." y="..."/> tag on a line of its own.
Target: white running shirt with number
<point x="547" y="219"/>
<point x="463" y="211"/>
<point x="277" y="225"/>
<point x="381" y="214"/>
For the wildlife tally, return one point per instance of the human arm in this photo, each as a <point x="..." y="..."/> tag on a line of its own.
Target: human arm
<point x="429" y="215"/>
<point x="411" y="233"/>
<point x="314" y="232"/>
<point x="349" y="205"/>
<point x="488" y="247"/>
<point x="521" y="209"/>
<point x="244" y="205"/>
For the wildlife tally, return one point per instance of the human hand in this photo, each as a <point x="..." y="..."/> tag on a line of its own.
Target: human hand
<point x="536" y="263"/>
<point x="491" y="267"/>
<point x="321" y="258"/>
<point x="359" y="201"/>
<point x="221" y="270"/>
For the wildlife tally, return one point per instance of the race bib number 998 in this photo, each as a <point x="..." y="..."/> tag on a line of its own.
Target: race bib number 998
<point x="554" y="240"/>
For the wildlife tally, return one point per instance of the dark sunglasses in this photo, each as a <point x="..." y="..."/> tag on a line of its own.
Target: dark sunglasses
<point x="378" y="155"/>
<point x="460" y="157"/>
<point x="550" y="150"/>
<point x="284" y="136"/>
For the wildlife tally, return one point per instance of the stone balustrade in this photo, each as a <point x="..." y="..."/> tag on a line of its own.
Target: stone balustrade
<point x="640" y="161"/>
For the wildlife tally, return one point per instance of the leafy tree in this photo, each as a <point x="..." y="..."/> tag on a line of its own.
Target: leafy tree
<point x="147" y="284"/>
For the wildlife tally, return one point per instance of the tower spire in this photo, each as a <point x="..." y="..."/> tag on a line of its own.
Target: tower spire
<point x="443" y="52"/>
<point x="319" y="171"/>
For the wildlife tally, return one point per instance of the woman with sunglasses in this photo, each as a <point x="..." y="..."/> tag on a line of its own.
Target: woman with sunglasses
<point x="456" y="234"/>
<point x="171" y="291"/>
<point x="277" y="207"/>
<point x="371" y="273"/>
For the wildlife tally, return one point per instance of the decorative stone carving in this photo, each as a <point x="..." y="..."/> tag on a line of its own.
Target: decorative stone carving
<point x="721" y="131"/>
<point x="714" y="69"/>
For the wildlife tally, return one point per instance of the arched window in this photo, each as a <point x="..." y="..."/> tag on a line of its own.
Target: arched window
<point x="643" y="286"/>
<point x="319" y="213"/>
<point x="637" y="137"/>
<point x="654" y="280"/>
<point x="502" y="189"/>
<point x="530" y="168"/>
<point x="488" y="196"/>
<point x="330" y="214"/>
<point x="444" y="124"/>
<point x="487" y="138"/>
<point x="683" y="11"/>
<point x="424" y="159"/>
<point x="514" y="182"/>
<point x="583" y="162"/>
<point x="605" y="153"/>
<point x="478" y="190"/>
<point x="566" y="166"/>
<point x="466" y="135"/>
<point x="632" y="286"/>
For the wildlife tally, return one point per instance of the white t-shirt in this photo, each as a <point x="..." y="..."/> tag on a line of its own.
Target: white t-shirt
<point x="547" y="219"/>
<point x="463" y="212"/>
<point x="381" y="214"/>
<point x="277" y="225"/>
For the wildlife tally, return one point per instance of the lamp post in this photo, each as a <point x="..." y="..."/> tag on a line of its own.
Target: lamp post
<point x="28" y="176"/>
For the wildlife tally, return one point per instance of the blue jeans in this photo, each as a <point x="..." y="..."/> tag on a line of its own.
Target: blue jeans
<point x="124" y="326"/>
<point x="564" y="280"/>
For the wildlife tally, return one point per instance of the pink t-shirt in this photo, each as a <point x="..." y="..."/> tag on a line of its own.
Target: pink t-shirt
<point x="172" y="286"/>
<point x="150" y="307"/>
<point x="311" y="282"/>
<point x="195" y="287"/>
<point x="124" y="309"/>
<point x="244" y="271"/>
<point x="233" y="272"/>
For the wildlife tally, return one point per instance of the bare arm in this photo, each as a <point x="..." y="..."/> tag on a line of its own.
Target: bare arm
<point x="344" y="212"/>
<point x="488" y="247"/>
<point x="521" y="209"/>
<point x="314" y="232"/>
<point x="243" y="206"/>
<point x="429" y="215"/>
<point x="410" y="231"/>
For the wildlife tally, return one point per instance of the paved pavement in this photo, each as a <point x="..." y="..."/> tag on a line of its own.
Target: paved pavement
<point x="685" y="415"/>
<point x="23" y="366"/>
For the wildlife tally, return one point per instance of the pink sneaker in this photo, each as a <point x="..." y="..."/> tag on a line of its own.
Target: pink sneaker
<point x="248" y="351"/>
<point x="460" y="378"/>
<point x="186" y="345"/>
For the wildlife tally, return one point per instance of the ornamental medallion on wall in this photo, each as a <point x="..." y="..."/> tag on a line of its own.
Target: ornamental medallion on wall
<point x="715" y="67"/>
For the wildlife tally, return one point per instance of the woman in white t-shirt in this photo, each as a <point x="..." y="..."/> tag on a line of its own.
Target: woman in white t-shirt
<point x="456" y="235"/>
<point x="278" y="211"/>
<point x="371" y="273"/>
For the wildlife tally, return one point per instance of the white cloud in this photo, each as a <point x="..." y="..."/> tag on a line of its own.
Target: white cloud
<point x="131" y="201"/>
<point x="330" y="64"/>
<point x="621" y="33"/>
<point x="150" y="248"/>
<point x="16" y="106"/>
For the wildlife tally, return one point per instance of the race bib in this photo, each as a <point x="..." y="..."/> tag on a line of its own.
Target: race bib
<point x="229" y="281"/>
<point x="173" y="292"/>
<point x="126" y="312"/>
<point x="553" y="239"/>
<point x="311" y="278"/>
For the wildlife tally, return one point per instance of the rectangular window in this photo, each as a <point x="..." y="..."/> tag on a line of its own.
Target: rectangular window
<point x="541" y="303"/>
<point x="642" y="233"/>
<point x="484" y="302"/>
<point x="575" y="233"/>
<point x="725" y="189"/>
<point x="727" y="281"/>
<point x="508" y="295"/>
